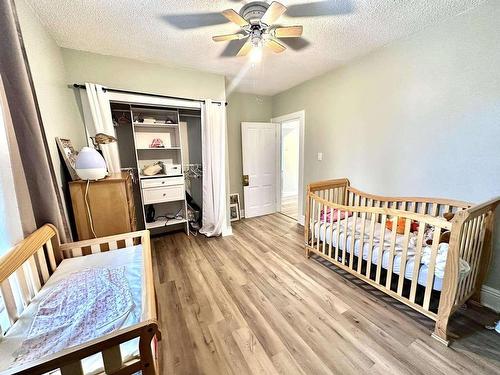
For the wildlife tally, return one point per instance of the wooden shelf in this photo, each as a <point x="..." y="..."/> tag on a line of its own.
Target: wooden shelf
<point x="154" y="126"/>
<point x="164" y="223"/>
<point x="160" y="175"/>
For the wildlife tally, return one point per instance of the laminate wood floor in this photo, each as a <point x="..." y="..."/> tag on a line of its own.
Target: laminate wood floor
<point x="251" y="303"/>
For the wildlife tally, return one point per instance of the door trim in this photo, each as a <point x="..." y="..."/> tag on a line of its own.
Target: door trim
<point x="301" y="116"/>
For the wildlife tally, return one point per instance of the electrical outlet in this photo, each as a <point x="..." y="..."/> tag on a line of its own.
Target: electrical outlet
<point x="320" y="156"/>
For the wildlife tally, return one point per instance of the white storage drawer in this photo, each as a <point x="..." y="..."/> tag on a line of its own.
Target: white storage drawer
<point x="163" y="194"/>
<point x="157" y="182"/>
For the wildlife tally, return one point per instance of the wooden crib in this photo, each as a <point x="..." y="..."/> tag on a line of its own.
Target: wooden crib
<point x="29" y="265"/>
<point x="470" y="241"/>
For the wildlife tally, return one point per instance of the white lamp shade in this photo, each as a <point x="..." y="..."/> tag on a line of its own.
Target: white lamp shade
<point x="90" y="165"/>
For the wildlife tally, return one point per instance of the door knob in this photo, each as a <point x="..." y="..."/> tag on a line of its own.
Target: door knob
<point x="246" y="180"/>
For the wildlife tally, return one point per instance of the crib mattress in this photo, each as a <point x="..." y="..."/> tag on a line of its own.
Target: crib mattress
<point x="332" y="237"/>
<point x="129" y="258"/>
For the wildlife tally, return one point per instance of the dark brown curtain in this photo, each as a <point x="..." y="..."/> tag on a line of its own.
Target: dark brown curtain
<point x="27" y="125"/>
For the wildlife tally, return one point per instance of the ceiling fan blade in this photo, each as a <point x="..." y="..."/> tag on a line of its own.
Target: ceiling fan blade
<point x="288" y="32"/>
<point x="320" y="8"/>
<point x="274" y="12"/>
<point x="245" y="49"/>
<point x="274" y="45"/>
<point x="234" y="17"/>
<point x="223" y="38"/>
<point x="194" y="20"/>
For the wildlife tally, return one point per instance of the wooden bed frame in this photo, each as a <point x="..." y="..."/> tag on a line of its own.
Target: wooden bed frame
<point x="470" y="240"/>
<point x="33" y="260"/>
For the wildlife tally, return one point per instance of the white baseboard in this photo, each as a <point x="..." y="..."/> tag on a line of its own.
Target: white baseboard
<point x="301" y="220"/>
<point x="490" y="297"/>
<point x="227" y="231"/>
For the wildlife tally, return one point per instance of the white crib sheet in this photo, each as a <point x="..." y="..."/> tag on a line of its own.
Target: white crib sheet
<point x="423" y="271"/>
<point x="130" y="258"/>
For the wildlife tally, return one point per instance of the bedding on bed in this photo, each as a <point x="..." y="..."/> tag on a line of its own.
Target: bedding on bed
<point x="86" y="297"/>
<point x="330" y="236"/>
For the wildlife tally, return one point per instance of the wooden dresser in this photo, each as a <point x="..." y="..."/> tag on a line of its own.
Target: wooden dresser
<point x="111" y="204"/>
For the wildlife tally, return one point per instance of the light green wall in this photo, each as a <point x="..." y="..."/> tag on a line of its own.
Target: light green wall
<point x="135" y="75"/>
<point x="420" y="116"/>
<point x="242" y="108"/>
<point x="57" y="103"/>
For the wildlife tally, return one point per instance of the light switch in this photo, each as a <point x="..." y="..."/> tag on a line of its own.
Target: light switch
<point x="320" y="156"/>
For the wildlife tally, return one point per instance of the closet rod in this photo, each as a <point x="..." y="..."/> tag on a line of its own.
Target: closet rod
<point x="80" y="86"/>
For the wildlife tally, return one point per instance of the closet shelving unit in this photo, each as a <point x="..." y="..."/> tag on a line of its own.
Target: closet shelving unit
<point x="166" y="190"/>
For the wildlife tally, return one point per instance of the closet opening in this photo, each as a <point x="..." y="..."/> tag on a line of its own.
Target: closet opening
<point x="290" y="141"/>
<point x="161" y="147"/>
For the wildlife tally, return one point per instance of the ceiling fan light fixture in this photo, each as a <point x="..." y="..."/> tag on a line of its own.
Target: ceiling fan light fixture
<point x="256" y="54"/>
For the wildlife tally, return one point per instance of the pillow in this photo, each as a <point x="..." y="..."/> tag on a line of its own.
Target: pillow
<point x="335" y="215"/>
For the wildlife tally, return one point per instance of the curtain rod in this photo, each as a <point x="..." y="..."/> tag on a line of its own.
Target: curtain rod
<point x="80" y="86"/>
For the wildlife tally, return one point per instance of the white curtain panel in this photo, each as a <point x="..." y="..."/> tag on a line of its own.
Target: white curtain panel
<point x="102" y="122"/>
<point x="10" y="220"/>
<point x="213" y="137"/>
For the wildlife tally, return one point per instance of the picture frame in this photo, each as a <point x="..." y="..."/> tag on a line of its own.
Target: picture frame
<point x="69" y="155"/>
<point x="234" y="212"/>
<point x="234" y="198"/>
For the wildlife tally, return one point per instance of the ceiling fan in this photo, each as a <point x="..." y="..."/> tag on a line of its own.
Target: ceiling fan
<point x="257" y="22"/>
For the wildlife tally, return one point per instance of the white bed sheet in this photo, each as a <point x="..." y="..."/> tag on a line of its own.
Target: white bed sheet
<point x="422" y="273"/>
<point x="130" y="258"/>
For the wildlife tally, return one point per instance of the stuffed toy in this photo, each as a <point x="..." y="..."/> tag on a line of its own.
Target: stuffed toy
<point x="400" y="225"/>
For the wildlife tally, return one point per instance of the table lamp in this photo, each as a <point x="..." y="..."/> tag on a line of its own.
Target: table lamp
<point x="90" y="165"/>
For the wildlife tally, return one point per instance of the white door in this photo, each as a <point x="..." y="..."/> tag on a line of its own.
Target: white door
<point x="260" y="171"/>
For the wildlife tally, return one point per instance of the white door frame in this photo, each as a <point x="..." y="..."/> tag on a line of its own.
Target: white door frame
<point x="301" y="116"/>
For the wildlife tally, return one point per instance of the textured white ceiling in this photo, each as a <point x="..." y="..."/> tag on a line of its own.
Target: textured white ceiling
<point x="138" y="29"/>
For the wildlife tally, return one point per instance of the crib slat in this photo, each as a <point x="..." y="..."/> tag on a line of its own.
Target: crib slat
<point x="346" y="213"/>
<point x="338" y="236"/>
<point x="381" y="248"/>
<point x="44" y="270"/>
<point x="319" y="226"/>
<point x="464" y="254"/>
<point x="113" y="245"/>
<point x="404" y="256"/>
<point x="435" y="209"/>
<point x="467" y="254"/>
<point x="313" y="225"/>
<point x="325" y="208"/>
<point x="52" y="258"/>
<point x="13" y="311"/>
<point x="129" y="242"/>
<point x="96" y="248"/>
<point x="34" y="277"/>
<point x="112" y="359"/>
<point x="23" y="285"/>
<point x="430" y="270"/>
<point x="392" y="247"/>
<point x="463" y="240"/>
<point x="374" y="220"/>
<point x="361" y="238"/>
<point x="416" y="261"/>
<point x="74" y="368"/>
<point x="478" y="234"/>
<point x="76" y="252"/>
<point x="331" y="233"/>
<point x="475" y="265"/>
<point x="353" y="237"/>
